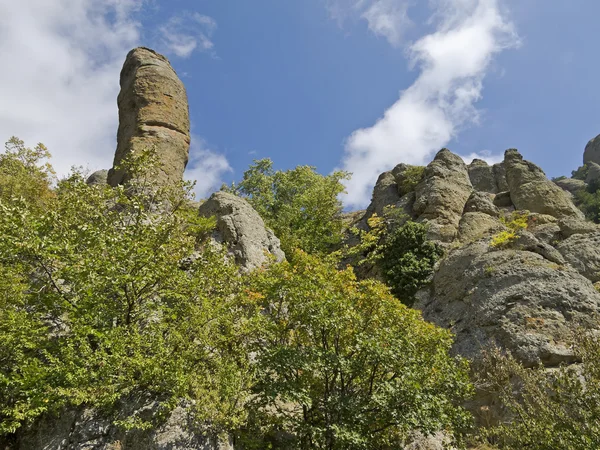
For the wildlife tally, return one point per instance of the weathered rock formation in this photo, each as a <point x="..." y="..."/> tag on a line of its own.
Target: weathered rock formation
<point x="87" y="429"/>
<point x="153" y="113"/>
<point x="242" y="230"/>
<point x="531" y="190"/>
<point x="592" y="151"/>
<point x="98" y="178"/>
<point x="527" y="295"/>
<point x="442" y="195"/>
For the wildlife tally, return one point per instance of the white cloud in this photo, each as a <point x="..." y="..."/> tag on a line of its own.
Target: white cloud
<point x="60" y="78"/>
<point x="388" y="18"/>
<point x="485" y="155"/>
<point x="206" y="167"/>
<point x="453" y="61"/>
<point x="187" y="32"/>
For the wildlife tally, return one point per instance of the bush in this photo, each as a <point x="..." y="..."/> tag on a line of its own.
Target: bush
<point x="516" y="222"/>
<point x="95" y="305"/>
<point x="341" y="364"/>
<point x="557" y="409"/>
<point x="408" y="260"/>
<point x="300" y="205"/>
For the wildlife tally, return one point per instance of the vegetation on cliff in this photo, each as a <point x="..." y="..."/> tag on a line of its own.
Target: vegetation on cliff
<point x="115" y="293"/>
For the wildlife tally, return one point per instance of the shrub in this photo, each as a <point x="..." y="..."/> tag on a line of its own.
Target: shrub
<point x="517" y="221"/>
<point x="556" y="409"/>
<point x="341" y="364"/>
<point x="95" y="305"/>
<point x="408" y="260"/>
<point x="300" y="205"/>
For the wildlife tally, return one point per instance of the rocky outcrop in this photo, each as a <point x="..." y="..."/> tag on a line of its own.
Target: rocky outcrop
<point x="98" y="178"/>
<point x="87" y="429"/>
<point x="385" y="193"/>
<point x="515" y="299"/>
<point x="570" y="185"/>
<point x="242" y="230"/>
<point x="531" y="190"/>
<point x="153" y="113"/>
<point x="593" y="174"/>
<point x="592" y="151"/>
<point x="441" y="197"/>
<point x="482" y="176"/>
<point x="582" y="252"/>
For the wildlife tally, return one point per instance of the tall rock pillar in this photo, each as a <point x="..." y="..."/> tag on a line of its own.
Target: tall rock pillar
<point x="153" y="113"/>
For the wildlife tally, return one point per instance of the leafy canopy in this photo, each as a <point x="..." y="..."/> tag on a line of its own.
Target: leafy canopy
<point x="300" y="205"/>
<point x="105" y="293"/>
<point x="341" y="364"/>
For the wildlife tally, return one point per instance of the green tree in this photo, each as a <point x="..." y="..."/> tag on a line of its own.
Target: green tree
<point x="408" y="260"/>
<point x="106" y="293"/>
<point x="556" y="409"/>
<point x="300" y="205"/>
<point x="341" y="364"/>
<point x="24" y="172"/>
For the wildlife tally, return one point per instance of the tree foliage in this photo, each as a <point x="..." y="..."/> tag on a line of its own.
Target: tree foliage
<point x="401" y="249"/>
<point x="341" y="364"/>
<point x="556" y="409"/>
<point x="300" y="205"/>
<point x="95" y="304"/>
<point x="24" y="172"/>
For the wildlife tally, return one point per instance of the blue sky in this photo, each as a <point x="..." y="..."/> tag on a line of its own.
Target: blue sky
<point x="309" y="81"/>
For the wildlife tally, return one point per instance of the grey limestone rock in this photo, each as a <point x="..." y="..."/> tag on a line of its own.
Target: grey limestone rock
<point x="593" y="175"/>
<point x="482" y="176"/>
<point x="592" y="151"/>
<point x="98" y="178"/>
<point x="582" y="252"/>
<point x="515" y="299"/>
<point x="531" y="190"/>
<point x="85" y="428"/>
<point x="242" y="230"/>
<point x="153" y="113"/>
<point x="442" y="195"/>
<point x="570" y="185"/>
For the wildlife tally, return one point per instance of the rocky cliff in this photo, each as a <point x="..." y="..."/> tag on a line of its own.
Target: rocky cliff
<point x="526" y="293"/>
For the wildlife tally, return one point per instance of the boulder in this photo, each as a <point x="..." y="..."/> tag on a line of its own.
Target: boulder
<point x="571" y="185"/>
<point x="483" y="203"/>
<point x="593" y="174"/>
<point x="582" y="252"/>
<point x="592" y="151"/>
<point x="531" y="190"/>
<point x="573" y="225"/>
<point x="153" y="113"/>
<point x="385" y="193"/>
<point x="503" y="200"/>
<point x="86" y="429"/>
<point x="482" y="176"/>
<point x="515" y="299"/>
<point x="98" y="178"/>
<point x="441" y="196"/>
<point x="500" y="175"/>
<point x="477" y="225"/>
<point x="242" y="230"/>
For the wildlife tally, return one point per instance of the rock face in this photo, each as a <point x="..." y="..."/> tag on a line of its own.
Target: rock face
<point x="592" y="151"/>
<point x="98" y="178"/>
<point x="442" y="195"/>
<point x="531" y="190"/>
<point x="482" y="176"/>
<point x="570" y="185"/>
<point x="153" y="113"/>
<point x="243" y="231"/>
<point x="84" y="428"/>
<point x="512" y="298"/>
